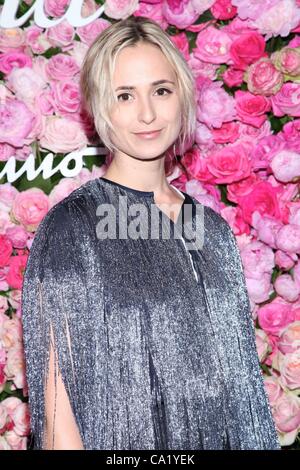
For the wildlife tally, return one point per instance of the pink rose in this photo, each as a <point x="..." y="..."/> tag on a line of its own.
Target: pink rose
<point x="17" y="235"/>
<point x="36" y="39"/>
<point x="11" y="404"/>
<point x="97" y="171"/>
<point x="88" y="8"/>
<point x="246" y="49"/>
<point x="9" y="60"/>
<point x="61" y="190"/>
<point x="15" y="298"/>
<point x="241" y="188"/>
<point x="120" y="9"/>
<point x="26" y="84"/>
<point x="152" y="10"/>
<point x="288" y="238"/>
<point x="213" y="45"/>
<point x="21" y="419"/>
<point x="11" y="39"/>
<point x="195" y="165"/>
<point x="63" y="135"/>
<point x="3" y="418"/>
<point x="263" y="78"/>
<point x="257" y="259"/>
<point x="89" y="32"/>
<point x="61" y="35"/>
<point x="262" y="198"/>
<point x="296" y="273"/>
<point x="251" y="109"/>
<point x="45" y="102"/>
<point x="273" y="388"/>
<point x="294" y="217"/>
<point x="11" y="331"/>
<point x="283" y="260"/>
<point x="278" y="20"/>
<point x="262" y="344"/>
<point x="3" y="283"/>
<point x="235" y="220"/>
<point x="289" y="340"/>
<point x="182" y="44"/>
<point x="275" y="316"/>
<point x="198" y="191"/>
<point x="267" y="228"/>
<point x="288" y="365"/>
<point x="253" y="134"/>
<point x="229" y="164"/>
<point x="16" y="122"/>
<point x="29" y="208"/>
<point x="204" y="69"/>
<point x="62" y="67"/>
<point x="203" y="136"/>
<point x="15" y="272"/>
<point x="3" y="308"/>
<point x="286" y="166"/>
<point x="15" y="442"/>
<point x="65" y="97"/>
<point x="4" y="445"/>
<point x="35" y="133"/>
<point x="223" y="10"/>
<point x="184" y="13"/>
<point x="39" y="67"/>
<point x="287" y="61"/>
<point x="259" y="290"/>
<point x="15" y="366"/>
<point x="291" y="134"/>
<point x="286" y="287"/>
<point x="227" y="133"/>
<point x="56" y="8"/>
<point x="6" y="151"/>
<point x="223" y="109"/>
<point x="233" y="77"/>
<point x="287" y="100"/>
<point x="5" y="222"/>
<point x="265" y="149"/>
<point x="6" y="250"/>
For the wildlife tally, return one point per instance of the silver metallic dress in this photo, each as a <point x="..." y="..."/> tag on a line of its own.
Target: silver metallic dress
<point x="155" y="342"/>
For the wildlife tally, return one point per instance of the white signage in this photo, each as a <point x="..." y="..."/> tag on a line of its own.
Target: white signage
<point x="47" y="165"/>
<point x="72" y="15"/>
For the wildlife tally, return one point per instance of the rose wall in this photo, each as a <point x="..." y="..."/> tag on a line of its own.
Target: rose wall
<point x="244" y="163"/>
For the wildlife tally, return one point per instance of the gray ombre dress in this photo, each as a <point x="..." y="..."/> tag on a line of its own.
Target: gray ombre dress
<point x="162" y="351"/>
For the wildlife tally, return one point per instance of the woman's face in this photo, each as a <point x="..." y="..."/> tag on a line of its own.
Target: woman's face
<point x="146" y="107"/>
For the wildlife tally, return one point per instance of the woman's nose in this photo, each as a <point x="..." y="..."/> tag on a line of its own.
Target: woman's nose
<point x="147" y="112"/>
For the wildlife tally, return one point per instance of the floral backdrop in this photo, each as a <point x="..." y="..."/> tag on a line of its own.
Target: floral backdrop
<point x="244" y="163"/>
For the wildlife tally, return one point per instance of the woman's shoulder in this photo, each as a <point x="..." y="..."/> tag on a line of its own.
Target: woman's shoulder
<point x="67" y="218"/>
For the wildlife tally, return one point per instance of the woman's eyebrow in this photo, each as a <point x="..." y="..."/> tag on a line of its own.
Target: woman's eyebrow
<point x="157" y="82"/>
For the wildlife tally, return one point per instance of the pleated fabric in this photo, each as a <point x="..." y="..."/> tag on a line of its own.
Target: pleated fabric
<point x="154" y="341"/>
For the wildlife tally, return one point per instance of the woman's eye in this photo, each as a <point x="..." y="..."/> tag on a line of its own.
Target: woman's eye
<point x="165" y="89"/>
<point x="159" y="89"/>
<point x="123" y="94"/>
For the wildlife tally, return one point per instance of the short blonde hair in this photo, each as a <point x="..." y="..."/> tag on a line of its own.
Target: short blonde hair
<point x="98" y="66"/>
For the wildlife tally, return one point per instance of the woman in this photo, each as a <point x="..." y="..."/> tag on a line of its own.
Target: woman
<point x="135" y="341"/>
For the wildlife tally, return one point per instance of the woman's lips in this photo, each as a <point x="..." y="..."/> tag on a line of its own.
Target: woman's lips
<point x="148" y="135"/>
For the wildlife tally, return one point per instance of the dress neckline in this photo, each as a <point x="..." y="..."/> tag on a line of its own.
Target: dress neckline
<point x="150" y="194"/>
<point x="127" y="188"/>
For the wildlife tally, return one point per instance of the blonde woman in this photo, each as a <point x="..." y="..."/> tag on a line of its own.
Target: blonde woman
<point x="138" y="335"/>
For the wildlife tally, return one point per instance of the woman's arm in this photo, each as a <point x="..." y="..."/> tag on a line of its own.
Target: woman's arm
<point x="53" y="301"/>
<point x="61" y="430"/>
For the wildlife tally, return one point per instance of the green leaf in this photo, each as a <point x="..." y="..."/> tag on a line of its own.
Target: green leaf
<point x="223" y="191"/>
<point x="205" y="17"/>
<point x="265" y="369"/>
<point x="51" y="52"/>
